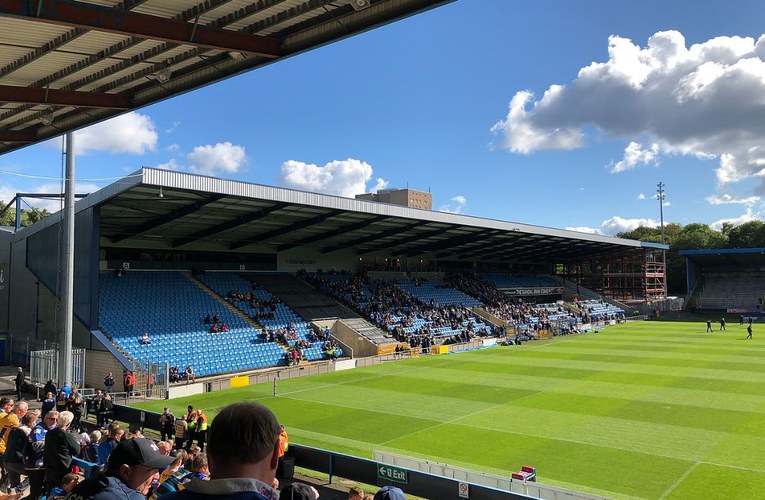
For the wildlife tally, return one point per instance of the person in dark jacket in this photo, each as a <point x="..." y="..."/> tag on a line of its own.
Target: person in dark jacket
<point x="243" y="452"/>
<point x="130" y="471"/>
<point x="13" y="458"/>
<point x="60" y="446"/>
<point x="19" y="382"/>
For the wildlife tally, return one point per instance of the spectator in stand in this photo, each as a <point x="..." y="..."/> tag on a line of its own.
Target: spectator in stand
<point x="389" y="493"/>
<point x="181" y="432"/>
<point x="13" y="457"/>
<point x="355" y="493"/>
<point x="243" y="455"/>
<point x="9" y="420"/>
<point x="200" y="468"/>
<point x="299" y="491"/>
<point x="50" y="386"/>
<point x="189" y="373"/>
<point x="173" y="477"/>
<point x="166" y="423"/>
<point x="68" y="483"/>
<point x="89" y="450"/>
<point x="145" y="340"/>
<point x="35" y="464"/>
<point x="109" y="383"/>
<point x="75" y="405"/>
<point x="19" y="381"/>
<point x="130" y="471"/>
<point x="60" y="446"/>
<point x="48" y="403"/>
<point x="201" y="430"/>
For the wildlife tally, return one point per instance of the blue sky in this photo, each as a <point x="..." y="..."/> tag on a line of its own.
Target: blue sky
<point x="609" y="98"/>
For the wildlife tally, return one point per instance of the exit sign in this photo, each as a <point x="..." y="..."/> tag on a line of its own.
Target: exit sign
<point x="390" y="473"/>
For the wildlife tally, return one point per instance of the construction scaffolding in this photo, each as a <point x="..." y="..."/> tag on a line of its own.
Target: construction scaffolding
<point x="638" y="274"/>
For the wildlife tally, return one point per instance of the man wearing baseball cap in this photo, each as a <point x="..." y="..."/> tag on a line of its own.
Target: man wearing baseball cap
<point x="130" y="470"/>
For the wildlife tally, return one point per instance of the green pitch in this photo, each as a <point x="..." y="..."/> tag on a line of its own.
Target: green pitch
<point x="644" y="410"/>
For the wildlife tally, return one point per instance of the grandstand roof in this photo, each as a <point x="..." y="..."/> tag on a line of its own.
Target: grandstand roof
<point x="727" y="257"/>
<point x="65" y="65"/>
<point x="173" y="210"/>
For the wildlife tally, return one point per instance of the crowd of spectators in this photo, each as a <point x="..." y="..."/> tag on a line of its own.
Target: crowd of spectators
<point x="244" y="455"/>
<point x="405" y="317"/>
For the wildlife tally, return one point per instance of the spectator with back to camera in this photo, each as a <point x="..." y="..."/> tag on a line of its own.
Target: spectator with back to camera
<point x="243" y="452"/>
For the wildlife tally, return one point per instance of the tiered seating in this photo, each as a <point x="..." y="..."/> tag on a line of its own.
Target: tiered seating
<point x="439" y="294"/>
<point x="171" y="308"/>
<point x="600" y="311"/>
<point x="284" y="317"/>
<point x="728" y="290"/>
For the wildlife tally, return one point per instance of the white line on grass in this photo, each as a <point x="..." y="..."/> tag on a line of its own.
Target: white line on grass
<point x="679" y="480"/>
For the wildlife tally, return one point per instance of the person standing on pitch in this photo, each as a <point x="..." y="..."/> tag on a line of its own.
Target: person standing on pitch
<point x="722" y="324"/>
<point x="709" y="325"/>
<point x="749" y="331"/>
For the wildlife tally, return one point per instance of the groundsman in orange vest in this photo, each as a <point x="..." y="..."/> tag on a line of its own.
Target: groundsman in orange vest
<point x="284" y="441"/>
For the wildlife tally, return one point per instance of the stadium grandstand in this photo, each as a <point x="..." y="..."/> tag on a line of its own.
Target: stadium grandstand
<point x="726" y="280"/>
<point x="259" y="272"/>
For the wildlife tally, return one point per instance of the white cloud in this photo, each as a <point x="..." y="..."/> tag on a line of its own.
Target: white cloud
<point x="172" y="128"/>
<point x="635" y="155"/>
<point x="728" y="199"/>
<point x="380" y="184"/>
<point x="641" y="196"/>
<point x="170" y="165"/>
<point x="615" y="224"/>
<point x="618" y="224"/>
<point x="131" y="133"/>
<point x="173" y="148"/>
<point x="460" y="202"/>
<point x="222" y="157"/>
<point x="340" y="177"/>
<point x="705" y="100"/>
<point x="736" y="221"/>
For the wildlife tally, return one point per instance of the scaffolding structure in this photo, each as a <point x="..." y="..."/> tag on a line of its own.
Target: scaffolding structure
<point x="638" y="274"/>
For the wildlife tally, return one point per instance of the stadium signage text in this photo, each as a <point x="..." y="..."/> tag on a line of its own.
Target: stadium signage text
<point x="300" y="262"/>
<point x="533" y="291"/>
<point x="390" y="473"/>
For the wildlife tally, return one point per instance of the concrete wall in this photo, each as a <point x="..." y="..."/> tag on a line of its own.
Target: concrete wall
<point x="361" y="345"/>
<point x="97" y="365"/>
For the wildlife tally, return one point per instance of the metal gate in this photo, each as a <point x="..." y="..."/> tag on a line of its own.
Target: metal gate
<point x="43" y="366"/>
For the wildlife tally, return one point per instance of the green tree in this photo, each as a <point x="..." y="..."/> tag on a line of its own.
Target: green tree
<point x="29" y="217"/>
<point x="699" y="236"/>
<point x="747" y="235"/>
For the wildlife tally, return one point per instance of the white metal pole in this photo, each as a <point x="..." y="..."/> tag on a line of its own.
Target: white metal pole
<point x="67" y="270"/>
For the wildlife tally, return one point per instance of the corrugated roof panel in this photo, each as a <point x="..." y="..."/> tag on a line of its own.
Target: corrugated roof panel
<point x="46" y="65"/>
<point x="139" y="48"/>
<point x="164" y="8"/>
<point x="275" y="28"/>
<point x="134" y="68"/>
<point x="19" y="32"/>
<point x="10" y="53"/>
<point x="61" y="49"/>
<point x="264" y="14"/>
<point x="87" y="72"/>
<point x="93" y="41"/>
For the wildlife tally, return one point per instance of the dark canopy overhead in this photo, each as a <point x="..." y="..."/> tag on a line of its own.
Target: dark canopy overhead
<point x="727" y="258"/>
<point x="172" y="210"/>
<point x="66" y="64"/>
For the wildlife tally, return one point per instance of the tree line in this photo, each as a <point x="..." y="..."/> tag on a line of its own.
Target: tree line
<point x="28" y="217"/>
<point x="697" y="236"/>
